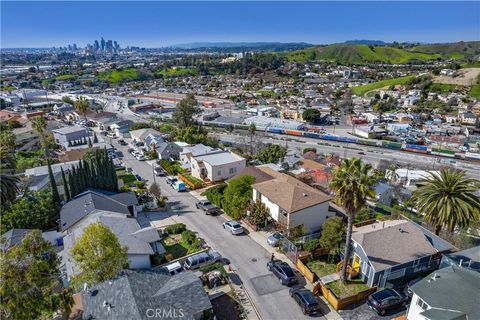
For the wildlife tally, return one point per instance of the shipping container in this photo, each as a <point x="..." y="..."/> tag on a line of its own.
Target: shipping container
<point x="310" y="135"/>
<point x="293" y="133"/>
<point x="276" y="130"/>
<point x="415" y="150"/>
<point x="443" y="152"/>
<point x="367" y="142"/>
<point x="416" y="146"/>
<point x="391" y="145"/>
<point x="241" y="127"/>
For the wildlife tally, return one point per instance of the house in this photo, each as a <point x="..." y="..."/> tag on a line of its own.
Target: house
<point x="449" y="293"/>
<point x="468" y="118"/>
<point x="410" y="178"/>
<point x="151" y="141"/>
<point x="469" y="258"/>
<point x="67" y="136"/>
<point x="24" y="134"/>
<point x="394" y="251"/>
<point x="256" y="172"/>
<point x="120" y="128"/>
<point x="140" y="134"/>
<point x="38" y="177"/>
<point x="15" y="237"/>
<point x="148" y="294"/>
<point x="217" y="166"/>
<point x="196" y="150"/>
<point x="168" y="150"/>
<point x="292" y="202"/>
<point x="63" y="109"/>
<point x="383" y="193"/>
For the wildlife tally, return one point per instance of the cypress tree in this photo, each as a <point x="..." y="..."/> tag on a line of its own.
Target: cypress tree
<point x="53" y="185"/>
<point x="72" y="180"/>
<point x="90" y="142"/>
<point x="65" y="186"/>
<point x="95" y="138"/>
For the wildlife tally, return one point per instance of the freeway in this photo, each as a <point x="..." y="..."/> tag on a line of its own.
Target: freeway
<point x="247" y="257"/>
<point x="370" y="154"/>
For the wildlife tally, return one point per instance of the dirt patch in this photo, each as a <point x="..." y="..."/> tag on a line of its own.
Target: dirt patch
<point x="466" y="77"/>
<point x="225" y="308"/>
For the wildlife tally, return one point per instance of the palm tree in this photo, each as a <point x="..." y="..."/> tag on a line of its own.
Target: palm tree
<point x="448" y="199"/>
<point x="82" y="106"/>
<point x="352" y="183"/>
<point x="8" y="181"/>
<point x="251" y="131"/>
<point x="39" y="125"/>
<point x="391" y="173"/>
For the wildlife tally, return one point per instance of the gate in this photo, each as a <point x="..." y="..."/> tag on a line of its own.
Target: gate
<point x="289" y="249"/>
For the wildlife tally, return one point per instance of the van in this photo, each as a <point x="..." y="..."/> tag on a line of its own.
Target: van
<point x="173" y="268"/>
<point x="179" y="186"/>
<point x="202" y="259"/>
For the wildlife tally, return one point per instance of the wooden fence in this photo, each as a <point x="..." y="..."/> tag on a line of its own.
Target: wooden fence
<point x="307" y="273"/>
<point x="339" y="304"/>
<point x="190" y="183"/>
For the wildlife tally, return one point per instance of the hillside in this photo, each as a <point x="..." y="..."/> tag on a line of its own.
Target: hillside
<point x="362" y="53"/>
<point x="359" y="54"/>
<point x="457" y="50"/>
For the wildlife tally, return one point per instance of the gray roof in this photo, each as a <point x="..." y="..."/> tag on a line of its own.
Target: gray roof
<point x="381" y="187"/>
<point x="392" y="243"/>
<point x="218" y="159"/>
<point x="199" y="149"/>
<point x="452" y="288"/>
<point x="469" y="257"/>
<point x="70" y="129"/>
<point x="88" y="201"/>
<point x="12" y="237"/>
<point x="439" y="314"/>
<point x="132" y="293"/>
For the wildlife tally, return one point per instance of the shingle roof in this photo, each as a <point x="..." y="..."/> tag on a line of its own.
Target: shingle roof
<point x="88" y="201"/>
<point x="258" y="174"/>
<point x="132" y="293"/>
<point x="70" y="129"/>
<point x="452" y="288"/>
<point x="289" y="193"/>
<point x="12" y="237"/>
<point x="392" y="243"/>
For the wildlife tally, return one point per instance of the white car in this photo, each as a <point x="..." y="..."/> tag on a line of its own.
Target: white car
<point x="140" y="157"/>
<point x="233" y="227"/>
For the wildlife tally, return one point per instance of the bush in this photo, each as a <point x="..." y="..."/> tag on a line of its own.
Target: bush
<point x="216" y="266"/>
<point x="169" y="167"/>
<point x="175" y="228"/>
<point x="311" y="245"/>
<point x="215" y="194"/>
<point x="188" y="236"/>
<point x="139" y="184"/>
<point x="309" y="149"/>
<point x="151" y="155"/>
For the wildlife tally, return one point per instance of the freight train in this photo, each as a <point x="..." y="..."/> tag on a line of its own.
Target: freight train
<point x="315" y="134"/>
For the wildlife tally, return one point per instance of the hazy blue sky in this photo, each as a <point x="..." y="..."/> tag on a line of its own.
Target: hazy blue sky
<point x="156" y="24"/>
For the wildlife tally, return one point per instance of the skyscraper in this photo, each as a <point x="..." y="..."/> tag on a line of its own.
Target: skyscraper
<point x="96" y="45"/>
<point x="102" y="44"/>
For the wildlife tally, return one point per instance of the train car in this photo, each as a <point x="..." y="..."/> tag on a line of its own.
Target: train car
<point x="415" y="150"/>
<point x="391" y="145"/>
<point x="367" y="142"/>
<point x="346" y="139"/>
<point x="222" y="125"/>
<point x="416" y="146"/>
<point x="310" y="134"/>
<point x="241" y="126"/>
<point x="276" y="130"/>
<point x="472" y="156"/>
<point x="328" y="137"/>
<point x="293" y="133"/>
<point x="443" y="152"/>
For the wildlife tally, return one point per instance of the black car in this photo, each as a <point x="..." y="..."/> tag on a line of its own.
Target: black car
<point x="386" y="300"/>
<point x="283" y="272"/>
<point x="305" y="299"/>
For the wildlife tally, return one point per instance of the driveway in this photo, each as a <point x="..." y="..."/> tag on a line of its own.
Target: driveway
<point x="247" y="257"/>
<point x="363" y="312"/>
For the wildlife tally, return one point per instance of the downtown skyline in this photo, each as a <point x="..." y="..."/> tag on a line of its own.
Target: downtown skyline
<point x="160" y="24"/>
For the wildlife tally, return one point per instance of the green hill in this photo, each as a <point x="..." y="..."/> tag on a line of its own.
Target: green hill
<point x="457" y="50"/>
<point x="360" y="54"/>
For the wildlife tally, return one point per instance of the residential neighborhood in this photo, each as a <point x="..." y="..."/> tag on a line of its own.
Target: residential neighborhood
<point x="151" y="177"/>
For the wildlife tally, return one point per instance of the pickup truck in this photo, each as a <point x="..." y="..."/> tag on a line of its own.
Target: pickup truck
<point x="206" y="206"/>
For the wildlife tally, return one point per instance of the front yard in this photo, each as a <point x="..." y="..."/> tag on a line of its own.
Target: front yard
<point x="351" y="288"/>
<point x="321" y="268"/>
<point x="178" y="247"/>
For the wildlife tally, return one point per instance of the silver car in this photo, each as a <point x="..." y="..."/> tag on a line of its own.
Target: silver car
<point x="233" y="227"/>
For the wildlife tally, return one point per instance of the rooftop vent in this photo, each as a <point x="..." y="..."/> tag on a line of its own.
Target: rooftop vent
<point x="304" y="194"/>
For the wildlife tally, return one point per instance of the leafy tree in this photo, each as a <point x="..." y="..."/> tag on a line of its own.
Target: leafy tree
<point x="272" y="153"/>
<point x="237" y="195"/>
<point x="98" y="255"/>
<point x="311" y="115"/>
<point x="82" y="106"/>
<point x="309" y="149"/>
<point x="31" y="280"/>
<point x="68" y="100"/>
<point x="333" y="234"/>
<point x="259" y="213"/>
<point x="7" y="139"/>
<point x="352" y="183"/>
<point x="139" y="125"/>
<point x="311" y="245"/>
<point x="8" y="181"/>
<point x="448" y="200"/>
<point x="230" y="128"/>
<point x="186" y="109"/>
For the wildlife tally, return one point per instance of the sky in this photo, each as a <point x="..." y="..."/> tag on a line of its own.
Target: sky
<point x="154" y="24"/>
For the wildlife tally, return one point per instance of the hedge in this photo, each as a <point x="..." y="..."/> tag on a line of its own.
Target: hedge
<point x="215" y="194"/>
<point x="176" y="228"/>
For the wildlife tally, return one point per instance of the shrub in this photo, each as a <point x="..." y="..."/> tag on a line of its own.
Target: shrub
<point x="311" y="245"/>
<point x="139" y="184"/>
<point x="309" y="149"/>
<point x="216" y="266"/>
<point x="175" y="228"/>
<point x="188" y="236"/>
<point x="215" y="194"/>
<point x="168" y="166"/>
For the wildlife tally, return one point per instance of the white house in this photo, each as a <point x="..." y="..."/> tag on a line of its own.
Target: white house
<point x="448" y="293"/>
<point x="292" y="202"/>
<point x="217" y="166"/>
<point x="196" y="150"/>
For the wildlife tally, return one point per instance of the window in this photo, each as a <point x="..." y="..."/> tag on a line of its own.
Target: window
<point x="233" y="170"/>
<point x="422" y="304"/>
<point x="219" y="172"/>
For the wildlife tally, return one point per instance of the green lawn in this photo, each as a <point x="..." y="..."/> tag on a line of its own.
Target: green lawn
<point x="475" y="91"/>
<point x="117" y="76"/>
<point x="456" y="55"/>
<point x="443" y="88"/>
<point x="192" y="179"/>
<point x="177" y="247"/>
<point x="321" y="268"/>
<point x="127" y="178"/>
<point x="351" y="288"/>
<point x="475" y="64"/>
<point x="361" y="90"/>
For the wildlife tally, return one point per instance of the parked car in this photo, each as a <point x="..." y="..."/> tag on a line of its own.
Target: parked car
<point x="283" y="272"/>
<point x="129" y="169"/>
<point x="171" y="180"/>
<point x="201" y="259"/>
<point x="122" y="142"/>
<point x="305" y="299"/>
<point x="386" y="300"/>
<point x="140" y="157"/>
<point x="206" y="206"/>
<point x="274" y="239"/>
<point x="173" y="268"/>
<point x="233" y="227"/>
<point x="159" y="172"/>
<point x="179" y="186"/>
<point x="138" y="177"/>
<point x="362" y="153"/>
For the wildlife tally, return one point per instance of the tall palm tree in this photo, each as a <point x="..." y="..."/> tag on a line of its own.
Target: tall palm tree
<point x="391" y="173"/>
<point x="448" y="199"/>
<point x="352" y="183"/>
<point x="8" y="181"/>
<point x="39" y="125"/>
<point x="82" y="106"/>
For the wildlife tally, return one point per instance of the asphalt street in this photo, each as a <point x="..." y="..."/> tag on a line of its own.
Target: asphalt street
<point x="247" y="257"/>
